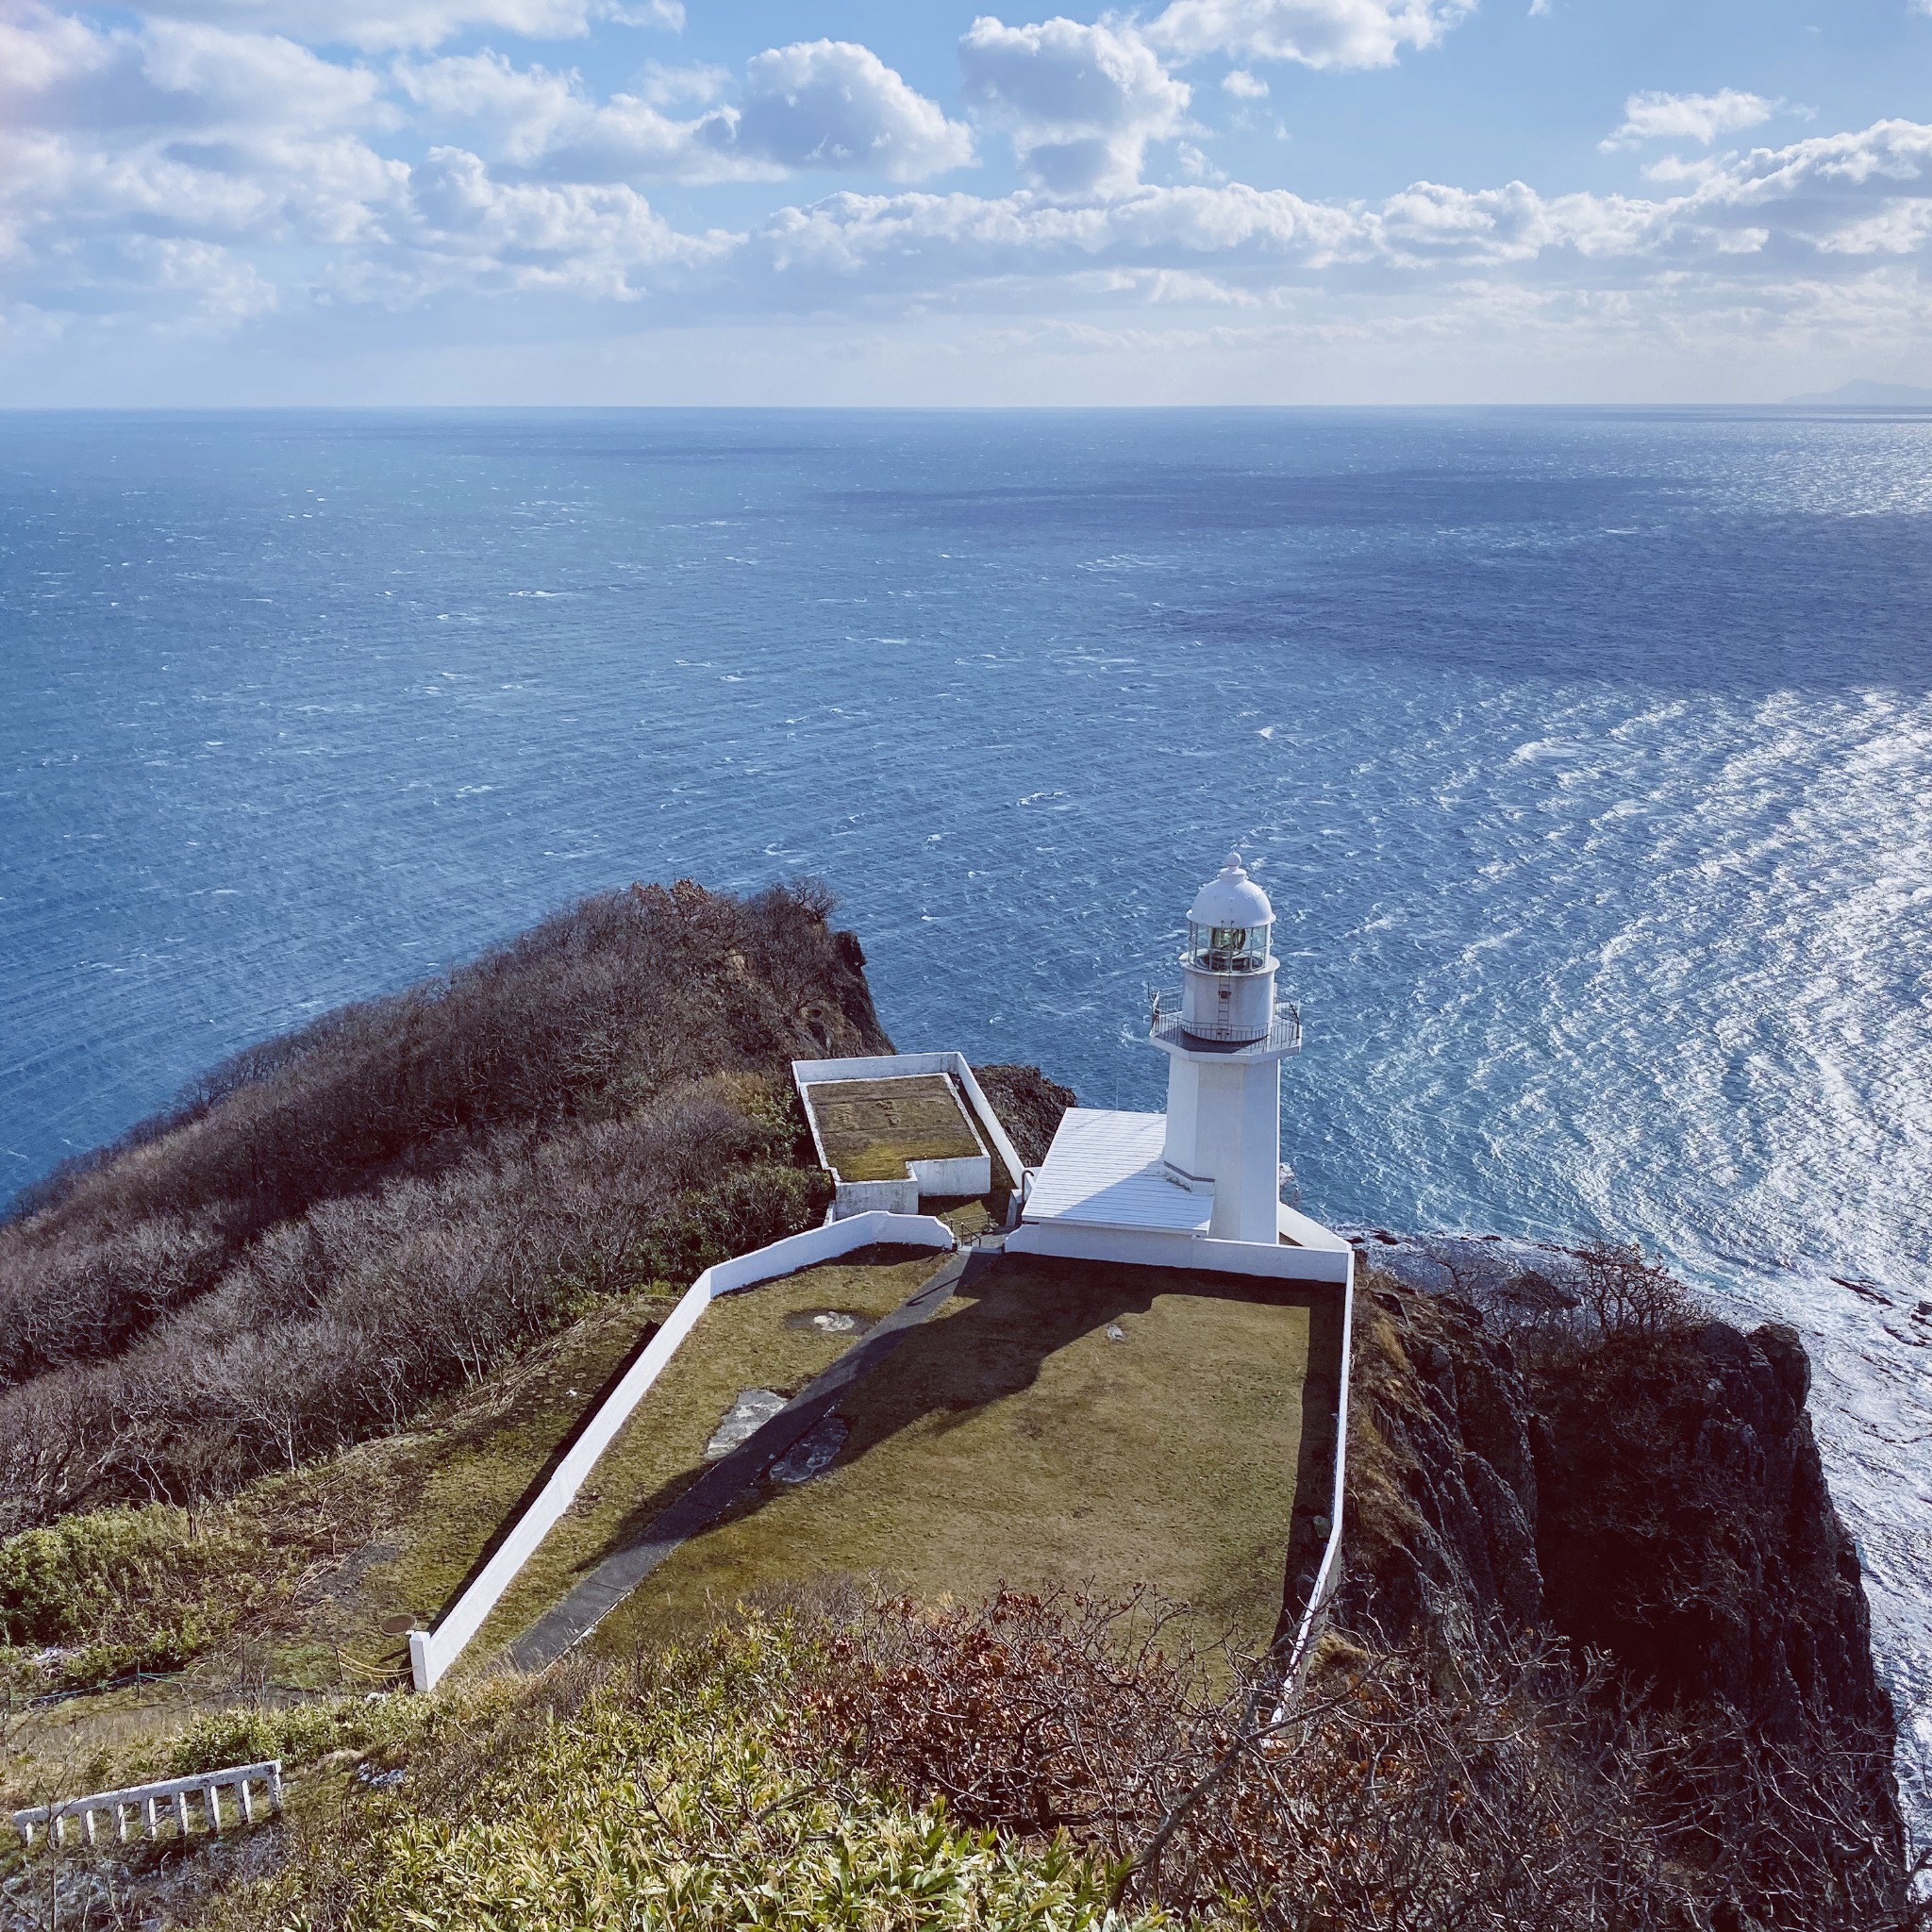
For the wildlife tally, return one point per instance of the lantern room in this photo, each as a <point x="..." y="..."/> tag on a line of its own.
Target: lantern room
<point x="1228" y="968"/>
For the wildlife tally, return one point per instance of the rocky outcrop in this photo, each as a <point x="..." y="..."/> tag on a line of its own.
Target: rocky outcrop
<point x="1655" y="1497"/>
<point x="1029" y="1107"/>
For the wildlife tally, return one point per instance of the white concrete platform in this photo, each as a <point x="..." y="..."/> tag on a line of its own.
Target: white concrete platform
<point x="1103" y="1193"/>
<point x="1105" y="1169"/>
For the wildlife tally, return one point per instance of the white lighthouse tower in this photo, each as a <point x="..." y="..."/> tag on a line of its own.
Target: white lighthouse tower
<point x="1200" y="1184"/>
<point x="1224" y="1048"/>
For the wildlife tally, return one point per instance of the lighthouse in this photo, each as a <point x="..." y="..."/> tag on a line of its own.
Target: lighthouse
<point x="1200" y="1184"/>
<point x="1226" y="1040"/>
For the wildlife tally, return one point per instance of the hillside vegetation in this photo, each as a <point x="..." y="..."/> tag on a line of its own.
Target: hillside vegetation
<point x="336" y="1226"/>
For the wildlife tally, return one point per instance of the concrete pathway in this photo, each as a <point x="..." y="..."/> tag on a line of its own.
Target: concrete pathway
<point x="600" y="1592"/>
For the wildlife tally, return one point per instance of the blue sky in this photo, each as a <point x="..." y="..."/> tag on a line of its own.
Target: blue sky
<point x="1201" y="201"/>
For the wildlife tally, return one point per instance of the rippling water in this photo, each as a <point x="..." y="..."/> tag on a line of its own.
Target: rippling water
<point x="1587" y="757"/>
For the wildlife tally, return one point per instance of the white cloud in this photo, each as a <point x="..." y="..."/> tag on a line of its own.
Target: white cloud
<point x="1688" y="117"/>
<point x="463" y="229"/>
<point x="1080" y="102"/>
<point x="1244" y="86"/>
<point x="1317" y="33"/>
<point x="832" y="104"/>
<point x="532" y="117"/>
<point x="174" y="174"/>
<point x="412" y="25"/>
<point x="822" y="104"/>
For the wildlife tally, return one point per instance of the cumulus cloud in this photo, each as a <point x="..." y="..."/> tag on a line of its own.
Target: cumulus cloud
<point x="1688" y="117"/>
<point x="412" y="25"/>
<point x="1317" y="33"/>
<point x="833" y="104"/>
<point x="172" y="168"/>
<point x="820" y="103"/>
<point x="1079" y="102"/>
<point x="535" y="119"/>
<point x="1244" y="86"/>
<point x="459" y="228"/>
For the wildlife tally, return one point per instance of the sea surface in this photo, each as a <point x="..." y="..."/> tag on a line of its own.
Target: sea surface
<point x="1587" y="756"/>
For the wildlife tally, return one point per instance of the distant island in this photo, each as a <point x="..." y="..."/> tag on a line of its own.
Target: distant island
<point x="1863" y="393"/>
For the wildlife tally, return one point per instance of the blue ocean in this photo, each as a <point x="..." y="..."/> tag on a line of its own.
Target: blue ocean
<point x="1587" y="756"/>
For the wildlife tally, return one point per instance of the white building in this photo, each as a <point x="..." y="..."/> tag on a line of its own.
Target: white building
<point x="1199" y="1186"/>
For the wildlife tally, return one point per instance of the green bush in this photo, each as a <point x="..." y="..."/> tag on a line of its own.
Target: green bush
<point x="123" y="1590"/>
<point x="669" y="1794"/>
<point x="746" y="1208"/>
<point x="295" y="1733"/>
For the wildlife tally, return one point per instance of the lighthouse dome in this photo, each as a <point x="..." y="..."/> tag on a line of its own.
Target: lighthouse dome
<point x="1232" y="900"/>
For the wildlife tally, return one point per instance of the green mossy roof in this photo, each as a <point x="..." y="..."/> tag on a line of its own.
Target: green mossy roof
<point x="872" y="1129"/>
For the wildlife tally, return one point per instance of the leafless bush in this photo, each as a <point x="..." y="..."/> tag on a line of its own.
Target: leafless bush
<point x="378" y="1209"/>
<point x="1440" y="1785"/>
<point x="596" y="1012"/>
<point x="1623" y="1291"/>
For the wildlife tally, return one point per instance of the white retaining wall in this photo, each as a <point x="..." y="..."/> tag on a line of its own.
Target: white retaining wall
<point x="432" y="1652"/>
<point x="1164" y="1248"/>
<point x="899" y="1066"/>
<point x="1329" y="1574"/>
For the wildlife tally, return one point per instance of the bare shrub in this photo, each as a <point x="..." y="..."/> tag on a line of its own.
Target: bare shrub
<point x="1623" y="1291"/>
<point x="594" y="1013"/>
<point x="381" y="1209"/>
<point x="1477" y="1787"/>
<point x="1441" y="1783"/>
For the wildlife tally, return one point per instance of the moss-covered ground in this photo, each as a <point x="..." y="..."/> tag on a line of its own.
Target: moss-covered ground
<point x="1014" y="1439"/>
<point x="872" y="1129"/>
<point x="760" y="1338"/>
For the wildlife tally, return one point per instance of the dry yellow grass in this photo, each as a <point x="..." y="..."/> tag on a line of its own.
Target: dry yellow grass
<point x="1010" y="1440"/>
<point x="872" y="1129"/>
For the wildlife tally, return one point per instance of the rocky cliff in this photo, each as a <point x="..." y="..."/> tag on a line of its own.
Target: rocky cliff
<point x="1654" y="1495"/>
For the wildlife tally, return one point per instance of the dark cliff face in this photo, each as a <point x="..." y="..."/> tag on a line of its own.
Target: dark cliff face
<point x="1029" y="1107"/>
<point x="1659" y="1499"/>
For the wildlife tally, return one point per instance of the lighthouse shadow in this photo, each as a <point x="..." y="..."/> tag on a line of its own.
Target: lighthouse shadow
<point x="1069" y="1419"/>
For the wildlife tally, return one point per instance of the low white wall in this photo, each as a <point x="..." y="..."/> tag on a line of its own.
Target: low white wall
<point x="1157" y="1248"/>
<point x="967" y="1173"/>
<point x="432" y="1652"/>
<point x="1329" y="1574"/>
<point x="875" y="1197"/>
<point x="1309" y="1234"/>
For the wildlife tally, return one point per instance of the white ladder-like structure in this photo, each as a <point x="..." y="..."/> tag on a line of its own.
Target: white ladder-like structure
<point x="144" y="1802"/>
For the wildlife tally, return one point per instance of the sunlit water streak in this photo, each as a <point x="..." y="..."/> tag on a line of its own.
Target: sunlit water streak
<point x="1587" y="757"/>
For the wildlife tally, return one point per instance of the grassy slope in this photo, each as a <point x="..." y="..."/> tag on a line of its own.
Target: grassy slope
<point x="743" y="1341"/>
<point x="1010" y="1439"/>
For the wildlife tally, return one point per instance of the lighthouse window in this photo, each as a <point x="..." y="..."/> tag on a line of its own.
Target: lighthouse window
<point x="1228" y="948"/>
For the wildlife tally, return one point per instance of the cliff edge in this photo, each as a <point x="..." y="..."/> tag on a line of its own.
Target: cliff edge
<point x="1653" y="1493"/>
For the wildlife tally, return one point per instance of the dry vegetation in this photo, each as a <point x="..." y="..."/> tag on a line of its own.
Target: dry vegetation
<point x="1032" y="1764"/>
<point x="339" y="1225"/>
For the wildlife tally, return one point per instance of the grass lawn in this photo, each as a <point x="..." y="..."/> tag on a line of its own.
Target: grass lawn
<point x="872" y="1129"/>
<point x="741" y="1341"/>
<point x="1010" y="1440"/>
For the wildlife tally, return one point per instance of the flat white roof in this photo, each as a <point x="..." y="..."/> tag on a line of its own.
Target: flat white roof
<point x="1104" y="1170"/>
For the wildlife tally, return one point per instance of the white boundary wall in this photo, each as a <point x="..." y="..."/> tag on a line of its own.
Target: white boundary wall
<point x="927" y="1177"/>
<point x="1165" y="1248"/>
<point x="1329" y="1574"/>
<point x="432" y="1652"/>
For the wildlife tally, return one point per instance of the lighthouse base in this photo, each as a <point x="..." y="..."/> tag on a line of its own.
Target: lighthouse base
<point x="1105" y="1193"/>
